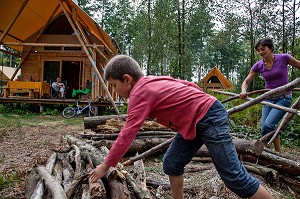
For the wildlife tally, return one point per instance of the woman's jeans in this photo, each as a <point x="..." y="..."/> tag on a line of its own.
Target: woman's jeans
<point x="213" y="131"/>
<point x="271" y="116"/>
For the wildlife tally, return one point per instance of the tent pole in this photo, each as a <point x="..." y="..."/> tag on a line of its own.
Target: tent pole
<point x="13" y="21"/>
<point x="89" y="56"/>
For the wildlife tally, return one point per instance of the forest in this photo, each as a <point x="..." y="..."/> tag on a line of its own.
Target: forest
<point x="187" y="38"/>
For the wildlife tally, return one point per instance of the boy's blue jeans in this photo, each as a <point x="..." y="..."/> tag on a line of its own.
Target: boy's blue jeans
<point x="271" y="116"/>
<point x="213" y="131"/>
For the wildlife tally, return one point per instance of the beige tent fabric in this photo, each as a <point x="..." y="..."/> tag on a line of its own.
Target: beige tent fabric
<point x="35" y="15"/>
<point x="7" y="73"/>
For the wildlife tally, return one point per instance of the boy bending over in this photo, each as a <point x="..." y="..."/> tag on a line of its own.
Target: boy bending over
<point x="182" y="106"/>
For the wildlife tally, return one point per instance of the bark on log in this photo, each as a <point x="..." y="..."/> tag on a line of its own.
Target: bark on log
<point x="140" y="175"/>
<point x="113" y="136"/>
<point x="40" y="187"/>
<point x="277" y="162"/>
<point x="57" y="171"/>
<point x="148" y="152"/>
<point x="138" y="145"/>
<point x="55" y="188"/>
<point x="68" y="172"/>
<point x="77" y="174"/>
<point x="140" y="193"/>
<point x="276" y="91"/>
<point x="270" y="175"/>
<point x="92" y="122"/>
<point x="287" y="109"/>
<point x="116" y="181"/>
<point x="283" y="165"/>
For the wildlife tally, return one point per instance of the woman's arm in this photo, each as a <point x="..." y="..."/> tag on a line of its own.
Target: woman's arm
<point x="294" y="62"/>
<point x="246" y="82"/>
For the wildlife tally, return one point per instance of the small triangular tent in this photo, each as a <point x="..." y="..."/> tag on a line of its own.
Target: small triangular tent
<point x="216" y="80"/>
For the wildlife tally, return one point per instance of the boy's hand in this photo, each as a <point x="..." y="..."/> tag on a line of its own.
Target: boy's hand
<point x="98" y="172"/>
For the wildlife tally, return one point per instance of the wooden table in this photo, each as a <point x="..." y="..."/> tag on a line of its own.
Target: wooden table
<point x="33" y="89"/>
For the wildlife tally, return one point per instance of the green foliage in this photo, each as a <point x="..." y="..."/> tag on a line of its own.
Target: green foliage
<point x="16" y="108"/>
<point x="8" y="179"/>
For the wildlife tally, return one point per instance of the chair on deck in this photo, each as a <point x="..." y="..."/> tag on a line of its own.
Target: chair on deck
<point x="55" y="94"/>
<point x="86" y="91"/>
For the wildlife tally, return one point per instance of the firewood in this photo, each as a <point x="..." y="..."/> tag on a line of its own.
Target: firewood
<point x="158" y="183"/>
<point x="275" y="161"/>
<point x="68" y="172"/>
<point x="114" y="178"/>
<point x="148" y="152"/>
<point x="138" y="145"/>
<point x="92" y="122"/>
<point x="270" y="175"/>
<point x="140" y="176"/>
<point x="78" y="177"/>
<point x="57" y="171"/>
<point x="291" y="183"/>
<point x="40" y="187"/>
<point x="113" y="136"/>
<point x="55" y="188"/>
<point x="140" y="193"/>
<point x="85" y="192"/>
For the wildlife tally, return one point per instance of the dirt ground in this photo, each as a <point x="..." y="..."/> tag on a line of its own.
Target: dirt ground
<point x="32" y="143"/>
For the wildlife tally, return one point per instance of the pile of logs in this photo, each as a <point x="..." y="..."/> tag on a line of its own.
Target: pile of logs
<point x="66" y="176"/>
<point x="66" y="173"/>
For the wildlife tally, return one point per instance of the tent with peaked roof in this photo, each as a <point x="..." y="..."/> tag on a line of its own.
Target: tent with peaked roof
<point x="216" y="80"/>
<point x="57" y="38"/>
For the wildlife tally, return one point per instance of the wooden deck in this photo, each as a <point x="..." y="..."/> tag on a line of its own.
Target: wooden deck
<point x="50" y="101"/>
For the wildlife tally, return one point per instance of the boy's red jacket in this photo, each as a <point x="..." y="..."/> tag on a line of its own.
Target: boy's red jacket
<point x="176" y="104"/>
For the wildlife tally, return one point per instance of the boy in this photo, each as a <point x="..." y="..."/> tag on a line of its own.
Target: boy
<point x="182" y="106"/>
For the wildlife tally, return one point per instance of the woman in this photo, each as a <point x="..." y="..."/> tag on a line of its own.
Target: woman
<point x="274" y="70"/>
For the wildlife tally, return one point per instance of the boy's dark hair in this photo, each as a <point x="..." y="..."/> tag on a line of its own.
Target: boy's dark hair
<point x="120" y="65"/>
<point x="265" y="42"/>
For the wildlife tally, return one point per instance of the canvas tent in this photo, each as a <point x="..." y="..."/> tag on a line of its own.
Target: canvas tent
<point x="57" y="38"/>
<point x="7" y="73"/>
<point x="216" y="80"/>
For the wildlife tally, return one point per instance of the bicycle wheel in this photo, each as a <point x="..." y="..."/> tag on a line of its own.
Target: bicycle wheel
<point x="93" y="111"/>
<point x="69" y="112"/>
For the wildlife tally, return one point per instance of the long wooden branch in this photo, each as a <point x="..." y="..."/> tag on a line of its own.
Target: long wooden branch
<point x="286" y="109"/>
<point x="276" y="91"/>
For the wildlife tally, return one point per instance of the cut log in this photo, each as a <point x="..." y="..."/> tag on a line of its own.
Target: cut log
<point x="138" y="145"/>
<point x="113" y="136"/>
<point x="92" y="122"/>
<point x="40" y="188"/>
<point x="55" y="188"/>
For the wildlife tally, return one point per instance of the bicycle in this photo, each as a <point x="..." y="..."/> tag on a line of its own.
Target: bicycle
<point x="70" y="112"/>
